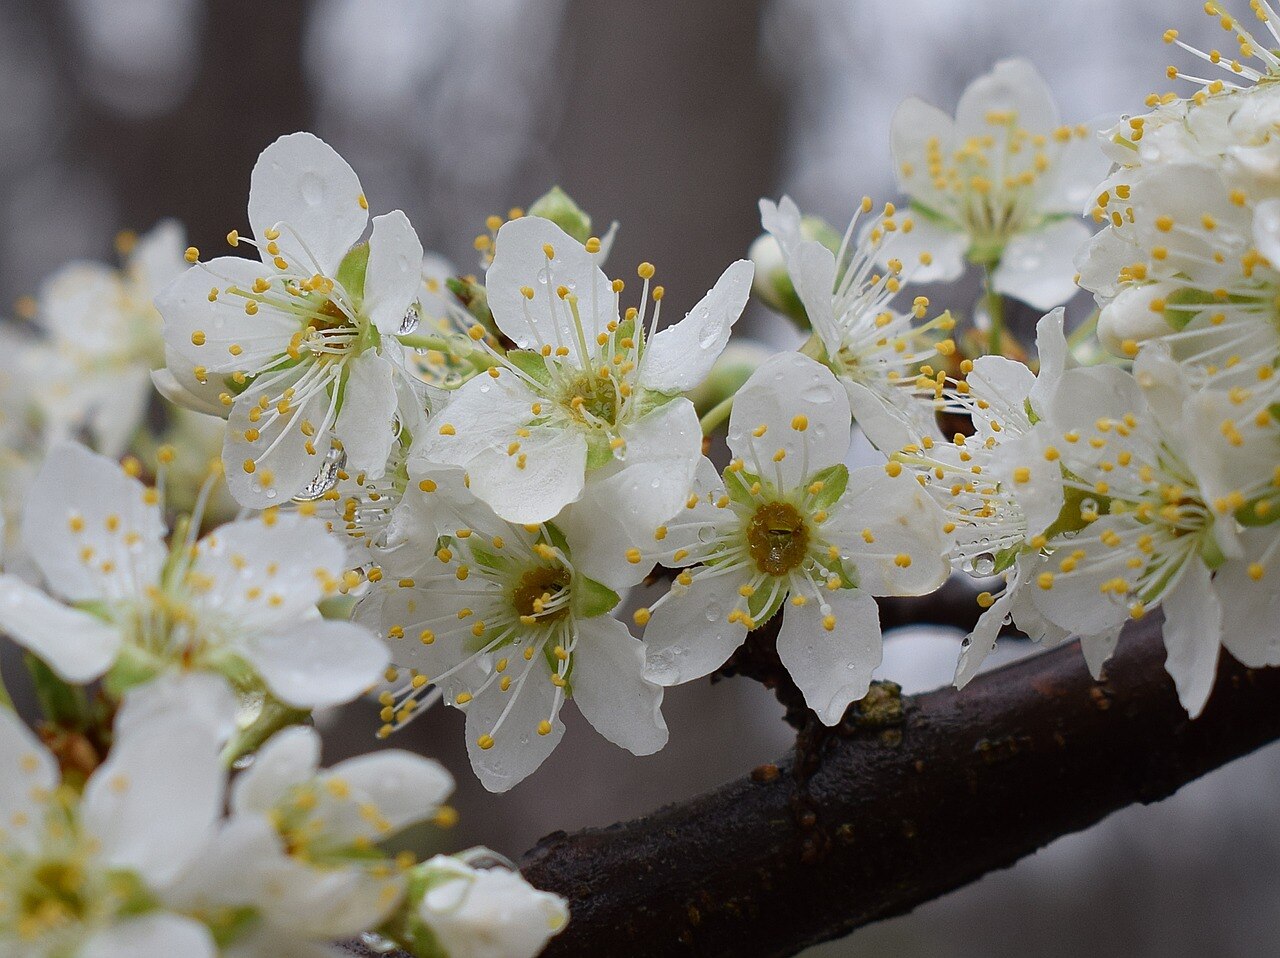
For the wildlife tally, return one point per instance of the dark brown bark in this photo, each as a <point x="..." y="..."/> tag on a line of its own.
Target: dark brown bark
<point x="902" y="808"/>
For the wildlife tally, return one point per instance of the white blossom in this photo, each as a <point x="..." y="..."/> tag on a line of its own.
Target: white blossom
<point x="507" y="621"/>
<point x="486" y="912"/>
<point x="126" y="604"/>
<point x="300" y="850"/>
<point x="103" y="339"/>
<point x="789" y="530"/>
<point x="1162" y="476"/>
<point x="588" y="388"/>
<point x="873" y="349"/>
<point x="299" y="350"/>
<point x="87" y="875"/>
<point x="1001" y="184"/>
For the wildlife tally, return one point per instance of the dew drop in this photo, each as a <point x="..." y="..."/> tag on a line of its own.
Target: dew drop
<point x="714" y="612"/>
<point x="410" y="321"/>
<point x="324" y="480"/>
<point x="984" y="563"/>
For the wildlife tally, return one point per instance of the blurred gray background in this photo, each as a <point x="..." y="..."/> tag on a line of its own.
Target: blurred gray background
<point x="672" y="117"/>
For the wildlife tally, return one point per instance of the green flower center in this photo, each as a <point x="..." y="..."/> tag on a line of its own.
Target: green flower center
<point x="777" y="538"/>
<point x="536" y="592"/>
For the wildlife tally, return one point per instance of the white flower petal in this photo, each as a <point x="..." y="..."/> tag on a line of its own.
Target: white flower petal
<point x="813" y="274"/>
<point x="203" y="697"/>
<point x="190" y="317"/>
<point x="1054" y="356"/>
<point x="78" y="490"/>
<point x="1076" y="601"/>
<point x="488" y="913"/>
<point x="403" y="787"/>
<point x="264" y="576"/>
<point x="154" y="935"/>
<point x="365" y="423"/>
<point x="552" y="476"/>
<point x="1098" y="648"/>
<point x="680" y="356"/>
<point x="623" y="504"/>
<point x="610" y="689"/>
<point x="1012" y="86"/>
<point x="318" y="663"/>
<point x="981" y="642"/>
<point x="1192" y="634"/>
<point x="832" y="668"/>
<point x="915" y="128"/>
<point x="520" y="261"/>
<point x="1076" y="173"/>
<point x="289" y="758"/>
<point x="301" y="186"/>
<point x="281" y="451"/>
<point x="78" y="646"/>
<point x="1004" y="384"/>
<point x="689" y="634"/>
<point x="153" y="804"/>
<point x="394" y="274"/>
<point x="1266" y="229"/>
<point x="518" y="748"/>
<point x="1039" y="268"/>
<point x="28" y="776"/>
<point x="1251" y="607"/>
<point x="1034" y="481"/>
<point x="903" y="520"/>
<point x="785" y="386"/>
<point x="157" y="259"/>
<point x="946" y="248"/>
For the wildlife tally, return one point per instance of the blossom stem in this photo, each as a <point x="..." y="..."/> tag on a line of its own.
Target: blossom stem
<point x="995" y="315"/>
<point x="716" y="415"/>
<point x="6" y="700"/>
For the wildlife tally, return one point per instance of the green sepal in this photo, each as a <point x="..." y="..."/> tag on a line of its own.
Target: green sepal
<point x="337" y="608"/>
<point x="1182" y="298"/>
<point x="834" y="479"/>
<point x="474" y="298"/>
<point x="1005" y="559"/>
<point x="738" y="483"/>
<point x="760" y="612"/>
<point x="592" y="598"/>
<point x="1247" y="515"/>
<point x="598" y="453"/>
<point x="1211" y="553"/>
<point x="531" y="364"/>
<point x="131" y="668"/>
<point x="646" y="401"/>
<point x="352" y="269"/>
<point x="62" y="703"/>
<point x="1069" y="517"/>
<point x="557" y="206"/>
<point x="557" y="537"/>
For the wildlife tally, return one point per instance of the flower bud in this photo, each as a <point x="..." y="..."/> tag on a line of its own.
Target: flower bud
<point x="556" y="205"/>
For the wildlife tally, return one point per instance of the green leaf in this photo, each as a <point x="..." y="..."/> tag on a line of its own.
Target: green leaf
<point x="591" y="598"/>
<point x="531" y="364"/>
<point x="834" y="481"/>
<point x="352" y="269"/>
<point x="556" y="205"/>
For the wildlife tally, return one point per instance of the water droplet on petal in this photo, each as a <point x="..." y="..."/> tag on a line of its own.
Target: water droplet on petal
<point x="410" y="321"/>
<point x="325" y="479"/>
<point x="984" y="564"/>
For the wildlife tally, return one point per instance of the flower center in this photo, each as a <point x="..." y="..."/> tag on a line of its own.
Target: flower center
<point x="777" y="538"/>
<point x="542" y="593"/>
<point x="593" y="401"/>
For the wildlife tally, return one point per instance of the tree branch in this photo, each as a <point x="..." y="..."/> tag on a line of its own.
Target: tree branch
<point x="902" y="808"/>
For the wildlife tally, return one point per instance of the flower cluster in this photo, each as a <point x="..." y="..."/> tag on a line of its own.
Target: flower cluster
<point x="497" y="492"/>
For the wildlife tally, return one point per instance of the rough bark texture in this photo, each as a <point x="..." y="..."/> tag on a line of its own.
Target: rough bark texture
<point x="913" y="798"/>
